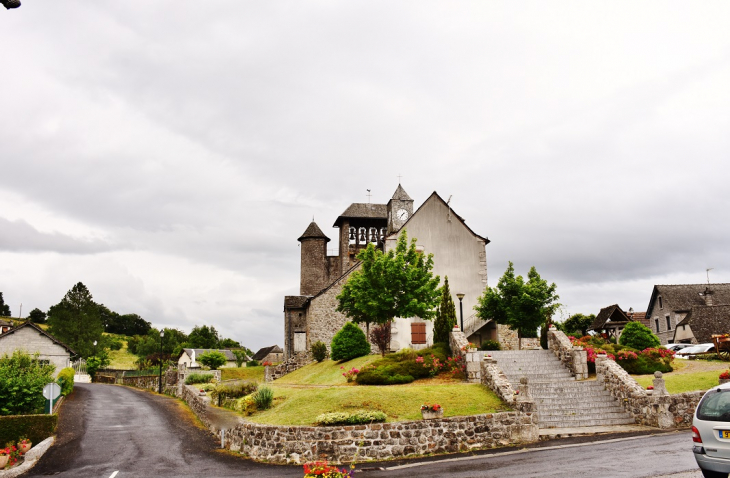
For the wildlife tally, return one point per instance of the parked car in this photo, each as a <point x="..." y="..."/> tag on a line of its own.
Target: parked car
<point x="687" y="352"/>
<point x="677" y="347"/>
<point x="711" y="432"/>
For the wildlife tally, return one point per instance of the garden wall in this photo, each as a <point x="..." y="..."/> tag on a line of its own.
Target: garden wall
<point x="654" y="408"/>
<point x="378" y="441"/>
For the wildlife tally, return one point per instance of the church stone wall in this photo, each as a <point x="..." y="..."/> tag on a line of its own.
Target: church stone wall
<point x="313" y="266"/>
<point x="323" y="320"/>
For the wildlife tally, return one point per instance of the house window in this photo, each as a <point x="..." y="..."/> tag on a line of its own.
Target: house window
<point x="669" y="324"/>
<point x="660" y="302"/>
<point x="656" y="322"/>
<point x="418" y="333"/>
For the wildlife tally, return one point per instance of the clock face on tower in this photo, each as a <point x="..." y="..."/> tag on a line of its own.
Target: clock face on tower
<point x="401" y="214"/>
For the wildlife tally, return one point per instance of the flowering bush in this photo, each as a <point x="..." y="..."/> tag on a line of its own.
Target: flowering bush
<point x="355" y="418"/>
<point x="650" y="387"/>
<point x="12" y="451"/>
<point x="626" y="355"/>
<point x="266" y="363"/>
<point x="324" y="470"/>
<point x="725" y="375"/>
<point x="419" y="359"/>
<point x="350" y="374"/>
<point x="431" y="408"/>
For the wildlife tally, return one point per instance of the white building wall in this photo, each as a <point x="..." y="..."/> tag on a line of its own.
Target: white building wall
<point x="32" y="342"/>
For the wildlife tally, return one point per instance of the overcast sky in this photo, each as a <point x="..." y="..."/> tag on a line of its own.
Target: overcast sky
<point x="168" y="154"/>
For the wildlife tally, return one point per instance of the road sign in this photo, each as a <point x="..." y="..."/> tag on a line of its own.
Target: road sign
<point x="51" y="391"/>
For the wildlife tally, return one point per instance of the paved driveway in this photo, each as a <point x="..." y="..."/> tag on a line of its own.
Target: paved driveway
<point x="108" y="429"/>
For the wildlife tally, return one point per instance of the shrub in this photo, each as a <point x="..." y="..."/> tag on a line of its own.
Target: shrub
<point x="406" y="366"/>
<point x="199" y="378"/>
<point x="380" y="336"/>
<point x="322" y="468"/>
<point x="263" y="398"/>
<point x="638" y="336"/>
<point x="22" y="378"/>
<point x="234" y="389"/>
<point x="36" y="428"/>
<point x="253" y="363"/>
<point x="358" y="417"/>
<point x="491" y="345"/>
<point x="319" y="351"/>
<point x="349" y="343"/>
<point x="213" y="359"/>
<point x="66" y="380"/>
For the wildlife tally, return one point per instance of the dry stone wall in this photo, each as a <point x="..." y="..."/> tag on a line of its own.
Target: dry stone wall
<point x="574" y="358"/>
<point x="378" y="441"/>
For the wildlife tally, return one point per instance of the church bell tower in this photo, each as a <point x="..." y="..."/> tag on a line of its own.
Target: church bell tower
<point x="400" y="209"/>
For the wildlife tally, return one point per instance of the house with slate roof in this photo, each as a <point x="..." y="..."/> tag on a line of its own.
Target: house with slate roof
<point x="611" y="320"/>
<point x="188" y="357"/>
<point x="458" y="252"/>
<point x="671" y="304"/>
<point x="701" y="323"/>
<point x="272" y="354"/>
<point x="34" y="340"/>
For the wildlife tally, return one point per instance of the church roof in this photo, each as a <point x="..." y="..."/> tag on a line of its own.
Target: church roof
<point x="363" y="211"/>
<point x="401" y="194"/>
<point x="313" y="232"/>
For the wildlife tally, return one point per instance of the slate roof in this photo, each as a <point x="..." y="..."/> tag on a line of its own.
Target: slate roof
<point x="30" y="324"/>
<point x="685" y="296"/>
<point x="198" y="352"/>
<point x="295" y="301"/>
<point x="262" y="353"/>
<point x="4" y="323"/>
<point x="313" y="232"/>
<point x="615" y="315"/>
<point x="401" y="194"/>
<point x="707" y="320"/>
<point x="363" y="211"/>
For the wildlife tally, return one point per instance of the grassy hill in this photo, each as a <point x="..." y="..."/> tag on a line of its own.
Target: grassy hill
<point x="301" y="396"/>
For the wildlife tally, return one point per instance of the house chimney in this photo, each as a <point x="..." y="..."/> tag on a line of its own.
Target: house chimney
<point x="707" y="294"/>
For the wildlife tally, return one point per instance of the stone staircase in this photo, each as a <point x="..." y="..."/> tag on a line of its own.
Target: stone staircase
<point x="562" y="402"/>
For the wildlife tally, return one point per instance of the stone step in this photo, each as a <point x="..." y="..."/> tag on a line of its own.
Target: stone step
<point x="540" y="376"/>
<point x="588" y="402"/>
<point x="565" y="423"/>
<point x="606" y="412"/>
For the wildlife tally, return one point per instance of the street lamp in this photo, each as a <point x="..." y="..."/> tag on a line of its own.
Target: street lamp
<point x="461" y="310"/>
<point x="94" y="348"/>
<point x="162" y="334"/>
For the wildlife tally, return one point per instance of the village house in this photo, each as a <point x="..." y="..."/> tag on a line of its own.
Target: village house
<point x="611" y="320"/>
<point x="458" y="252"/>
<point x="671" y="304"/>
<point x="30" y="338"/>
<point x="188" y="358"/>
<point x="273" y="354"/>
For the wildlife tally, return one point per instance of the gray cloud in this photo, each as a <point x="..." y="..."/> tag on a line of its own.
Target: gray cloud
<point x="19" y="236"/>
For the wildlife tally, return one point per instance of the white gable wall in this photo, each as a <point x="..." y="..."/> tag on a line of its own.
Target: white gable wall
<point x="32" y="341"/>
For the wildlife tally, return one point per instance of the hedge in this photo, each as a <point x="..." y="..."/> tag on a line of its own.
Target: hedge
<point x="34" y="427"/>
<point x="66" y="380"/>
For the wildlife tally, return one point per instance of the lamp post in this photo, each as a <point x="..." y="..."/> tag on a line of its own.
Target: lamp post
<point x="162" y="334"/>
<point x="461" y="310"/>
<point x="94" y="348"/>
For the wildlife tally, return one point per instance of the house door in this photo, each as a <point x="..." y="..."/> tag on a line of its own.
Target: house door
<point x="300" y="342"/>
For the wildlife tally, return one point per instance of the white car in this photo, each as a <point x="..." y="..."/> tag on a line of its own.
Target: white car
<point x="677" y="347"/>
<point x="695" y="349"/>
<point x="711" y="432"/>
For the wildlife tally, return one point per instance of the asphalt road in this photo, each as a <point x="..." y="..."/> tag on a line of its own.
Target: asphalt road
<point x="112" y="431"/>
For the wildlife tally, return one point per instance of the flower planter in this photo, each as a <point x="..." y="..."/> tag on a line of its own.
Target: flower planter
<point x="24" y="447"/>
<point x="429" y="414"/>
<point x="724" y="380"/>
<point x="3" y="460"/>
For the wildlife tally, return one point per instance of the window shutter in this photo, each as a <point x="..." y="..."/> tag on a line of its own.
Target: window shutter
<point x="418" y="332"/>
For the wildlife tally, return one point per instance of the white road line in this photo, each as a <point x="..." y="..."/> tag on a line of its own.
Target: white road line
<point x="114" y="474"/>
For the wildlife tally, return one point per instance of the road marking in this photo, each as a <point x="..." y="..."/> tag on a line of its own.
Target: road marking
<point x="521" y="450"/>
<point x="114" y="474"/>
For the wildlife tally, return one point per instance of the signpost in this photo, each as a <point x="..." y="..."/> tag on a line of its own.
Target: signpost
<point x="51" y="392"/>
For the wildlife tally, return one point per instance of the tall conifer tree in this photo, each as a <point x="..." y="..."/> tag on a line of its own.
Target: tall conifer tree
<point x="445" y="316"/>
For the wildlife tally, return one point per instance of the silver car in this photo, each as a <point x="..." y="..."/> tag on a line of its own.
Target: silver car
<point x="711" y="432"/>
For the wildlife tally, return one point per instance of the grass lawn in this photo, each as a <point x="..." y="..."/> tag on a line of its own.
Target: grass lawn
<point x="327" y="372"/>
<point x="688" y="375"/>
<point x="254" y="374"/>
<point x="300" y="405"/>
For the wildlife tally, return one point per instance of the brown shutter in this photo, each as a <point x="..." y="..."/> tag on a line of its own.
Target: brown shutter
<point x="418" y="332"/>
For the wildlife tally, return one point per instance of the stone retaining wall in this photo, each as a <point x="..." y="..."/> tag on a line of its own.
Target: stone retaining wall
<point x="296" y="362"/>
<point x="654" y="408"/>
<point x="493" y="378"/>
<point x="378" y="441"/>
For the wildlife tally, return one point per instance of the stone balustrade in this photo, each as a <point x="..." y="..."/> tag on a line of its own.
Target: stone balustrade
<point x="574" y="358"/>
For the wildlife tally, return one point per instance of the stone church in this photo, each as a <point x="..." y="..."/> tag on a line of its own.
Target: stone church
<point x="458" y="252"/>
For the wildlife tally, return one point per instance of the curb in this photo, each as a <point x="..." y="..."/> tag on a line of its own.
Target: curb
<point x="33" y="455"/>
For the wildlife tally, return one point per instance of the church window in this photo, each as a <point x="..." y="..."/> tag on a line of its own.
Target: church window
<point x="660" y="302"/>
<point x="656" y="322"/>
<point x="669" y="323"/>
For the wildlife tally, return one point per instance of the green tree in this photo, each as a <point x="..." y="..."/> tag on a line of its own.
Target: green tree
<point x="398" y="283"/>
<point x="638" y="336"/>
<point x="76" y="320"/>
<point x="22" y="378"/>
<point x="212" y="359"/>
<point x="242" y="355"/>
<point x="4" y="308"/>
<point x="578" y="323"/>
<point x="203" y="337"/>
<point x="144" y="345"/>
<point x="228" y="344"/>
<point x="37" y="316"/>
<point x="445" y="315"/>
<point x="523" y="306"/>
<point x="349" y="342"/>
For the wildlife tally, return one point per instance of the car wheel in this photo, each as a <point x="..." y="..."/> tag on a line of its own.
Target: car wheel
<point x="713" y="474"/>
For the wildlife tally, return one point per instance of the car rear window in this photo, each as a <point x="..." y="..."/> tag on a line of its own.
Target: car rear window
<point x="715" y="406"/>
